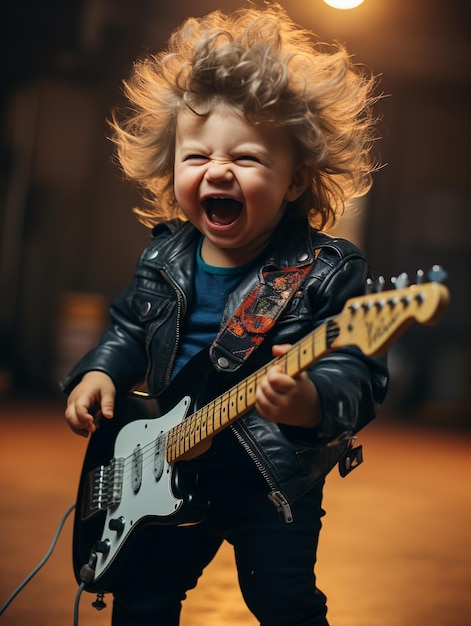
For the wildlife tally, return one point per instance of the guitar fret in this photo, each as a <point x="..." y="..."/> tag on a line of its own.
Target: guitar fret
<point x="191" y="431"/>
<point x="186" y="434"/>
<point x="319" y="341"/>
<point x="181" y="438"/>
<point x="204" y="422"/>
<point x="259" y="376"/>
<point x="172" y="443"/>
<point x="216" y="417"/>
<point x="224" y="412"/>
<point x="232" y="404"/>
<point x="210" y="418"/>
<point x="241" y="397"/>
<point x="197" y="427"/>
<point x="250" y="389"/>
<point x="306" y="352"/>
<point x="292" y="362"/>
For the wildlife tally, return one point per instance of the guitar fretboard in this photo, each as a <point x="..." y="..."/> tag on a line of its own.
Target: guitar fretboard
<point x="231" y="405"/>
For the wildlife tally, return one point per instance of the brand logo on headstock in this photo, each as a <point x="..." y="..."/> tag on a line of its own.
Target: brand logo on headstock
<point x="375" y="331"/>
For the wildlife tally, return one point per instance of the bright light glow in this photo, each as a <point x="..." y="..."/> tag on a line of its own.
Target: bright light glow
<point x="343" y="4"/>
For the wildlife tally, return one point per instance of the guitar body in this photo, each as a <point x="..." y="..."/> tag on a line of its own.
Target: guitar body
<point x="127" y="455"/>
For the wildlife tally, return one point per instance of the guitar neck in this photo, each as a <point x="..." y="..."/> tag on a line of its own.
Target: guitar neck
<point x="371" y="322"/>
<point x="227" y="408"/>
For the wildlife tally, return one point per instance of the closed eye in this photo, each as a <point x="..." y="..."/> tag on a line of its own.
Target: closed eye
<point x="196" y="157"/>
<point x="247" y="158"/>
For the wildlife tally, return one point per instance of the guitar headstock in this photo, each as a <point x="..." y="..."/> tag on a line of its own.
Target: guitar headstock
<point x="374" y="321"/>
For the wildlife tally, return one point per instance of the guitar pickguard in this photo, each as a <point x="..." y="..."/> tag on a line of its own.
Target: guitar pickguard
<point x="137" y="486"/>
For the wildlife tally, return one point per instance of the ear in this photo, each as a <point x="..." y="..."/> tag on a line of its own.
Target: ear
<point x="299" y="183"/>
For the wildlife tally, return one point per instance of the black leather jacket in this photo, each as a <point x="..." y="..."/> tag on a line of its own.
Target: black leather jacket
<point x="147" y="320"/>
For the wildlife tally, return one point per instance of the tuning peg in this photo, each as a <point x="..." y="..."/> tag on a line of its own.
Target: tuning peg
<point x="401" y="281"/>
<point x="380" y="283"/>
<point x="419" y="277"/>
<point x="437" y="274"/>
<point x="369" y="286"/>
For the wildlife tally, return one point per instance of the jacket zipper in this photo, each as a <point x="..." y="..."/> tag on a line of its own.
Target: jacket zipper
<point x="180" y="299"/>
<point x="275" y="496"/>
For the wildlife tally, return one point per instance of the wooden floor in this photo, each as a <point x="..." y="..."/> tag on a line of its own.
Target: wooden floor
<point x="395" y="547"/>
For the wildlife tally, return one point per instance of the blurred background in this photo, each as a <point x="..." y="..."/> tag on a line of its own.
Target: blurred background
<point x="69" y="243"/>
<point x="68" y="238"/>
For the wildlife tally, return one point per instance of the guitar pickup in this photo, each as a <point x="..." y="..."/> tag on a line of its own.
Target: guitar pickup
<point x="102" y="488"/>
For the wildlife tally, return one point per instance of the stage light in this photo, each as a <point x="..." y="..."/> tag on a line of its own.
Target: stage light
<point x="343" y="4"/>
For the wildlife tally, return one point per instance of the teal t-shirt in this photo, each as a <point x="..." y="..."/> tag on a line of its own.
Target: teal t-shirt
<point x="211" y="289"/>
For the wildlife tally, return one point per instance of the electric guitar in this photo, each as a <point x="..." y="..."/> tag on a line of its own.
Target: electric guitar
<point x="138" y="470"/>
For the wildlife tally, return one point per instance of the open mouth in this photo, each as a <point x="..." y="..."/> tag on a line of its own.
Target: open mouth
<point x="222" y="211"/>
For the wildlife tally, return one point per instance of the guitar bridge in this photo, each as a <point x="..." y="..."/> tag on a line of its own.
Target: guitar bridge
<point x="103" y="488"/>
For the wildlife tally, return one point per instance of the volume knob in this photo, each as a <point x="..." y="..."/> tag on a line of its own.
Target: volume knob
<point x="102" y="547"/>
<point x="116" y="524"/>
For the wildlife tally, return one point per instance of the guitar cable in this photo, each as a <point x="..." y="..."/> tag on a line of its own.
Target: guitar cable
<point x="77" y="603"/>
<point x="41" y="564"/>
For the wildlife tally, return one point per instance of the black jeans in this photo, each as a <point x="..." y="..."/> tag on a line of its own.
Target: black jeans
<point x="275" y="560"/>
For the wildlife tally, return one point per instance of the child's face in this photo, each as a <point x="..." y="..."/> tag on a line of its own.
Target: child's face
<point x="233" y="180"/>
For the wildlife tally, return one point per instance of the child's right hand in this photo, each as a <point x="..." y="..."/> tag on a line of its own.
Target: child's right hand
<point x="96" y="391"/>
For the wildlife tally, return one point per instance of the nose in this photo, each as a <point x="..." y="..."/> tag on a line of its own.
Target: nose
<point x="219" y="169"/>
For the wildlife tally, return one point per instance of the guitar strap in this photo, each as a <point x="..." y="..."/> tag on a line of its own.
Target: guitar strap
<point x="248" y="327"/>
<point x="257" y="315"/>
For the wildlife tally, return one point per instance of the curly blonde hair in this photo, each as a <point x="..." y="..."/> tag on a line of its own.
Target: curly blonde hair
<point x="268" y="69"/>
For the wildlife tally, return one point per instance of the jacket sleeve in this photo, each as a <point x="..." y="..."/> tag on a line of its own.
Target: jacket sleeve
<point x="351" y="385"/>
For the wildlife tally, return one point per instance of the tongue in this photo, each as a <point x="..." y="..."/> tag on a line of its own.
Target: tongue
<point x="223" y="211"/>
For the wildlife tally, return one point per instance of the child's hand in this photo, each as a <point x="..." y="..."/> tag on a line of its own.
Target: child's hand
<point x="286" y="400"/>
<point x="96" y="390"/>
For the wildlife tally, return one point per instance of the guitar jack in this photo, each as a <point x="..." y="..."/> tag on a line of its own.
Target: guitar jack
<point x="87" y="571"/>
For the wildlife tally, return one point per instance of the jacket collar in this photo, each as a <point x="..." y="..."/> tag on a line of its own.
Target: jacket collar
<point x="291" y="244"/>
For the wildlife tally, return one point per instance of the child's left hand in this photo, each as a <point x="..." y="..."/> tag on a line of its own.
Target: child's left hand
<point x="286" y="400"/>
